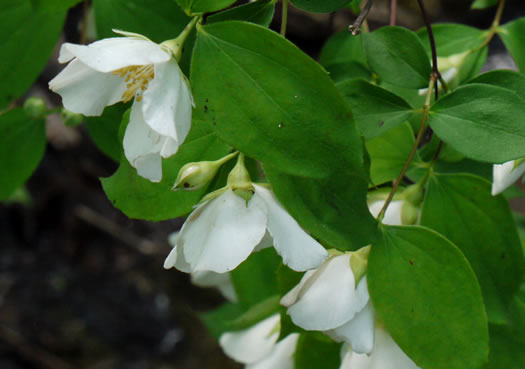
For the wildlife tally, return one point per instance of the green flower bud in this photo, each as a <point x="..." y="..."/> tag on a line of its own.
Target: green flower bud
<point x="194" y="176"/>
<point x="35" y="107"/>
<point x="71" y="119"/>
<point x="414" y="194"/>
<point x="409" y="213"/>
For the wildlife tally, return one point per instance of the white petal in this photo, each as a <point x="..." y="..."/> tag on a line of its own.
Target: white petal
<point x="252" y="344"/>
<point x="392" y="214"/>
<point x="168" y="102"/>
<point x="111" y="54"/>
<point x="329" y="299"/>
<point x="221" y="281"/>
<point x="359" y="361"/>
<point x="387" y="354"/>
<point x="504" y="175"/>
<point x="291" y="297"/>
<point x="221" y="233"/>
<point x="176" y="259"/>
<point x="281" y="357"/>
<point x="85" y="90"/>
<point x="298" y="250"/>
<point x="142" y="145"/>
<point x="358" y="332"/>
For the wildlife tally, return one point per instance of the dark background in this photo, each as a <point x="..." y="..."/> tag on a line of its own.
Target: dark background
<point x="82" y="286"/>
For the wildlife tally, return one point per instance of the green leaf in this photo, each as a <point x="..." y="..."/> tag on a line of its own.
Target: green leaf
<point x="508" y="79"/>
<point x="483" y="4"/>
<point x="344" y="58"/>
<point x="375" y="109"/>
<point x="104" y="130"/>
<point x="316" y="351"/>
<point x="398" y="56"/>
<point x="218" y="321"/>
<point x="260" y="12"/>
<point x="453" y="40"/>
<point x="256" y="279"/>
<point x="158" y="20"/>
<point x="506" y="348"/>
<point x="512" y="36"/>
<point x="482" y="226"/>
<point x="320" y="6"/>
<point x="53" y="4"/>
<point x="482" y="122"/>
<point x="389" y="152"/>
<point x="204" y="6"/>
<point x="287" y="279"/>
<point x="427" y="295"/>
<point x="22" y="146"/>
<point x="139" y="198"/>
<point x="26" y="48"/>
<point x="260" y="311"/>
<point x="269" y="100"/>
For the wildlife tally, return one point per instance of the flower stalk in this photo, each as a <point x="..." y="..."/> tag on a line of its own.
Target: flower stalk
<point x="420" y="134"/>
<point x="176" y="45"/>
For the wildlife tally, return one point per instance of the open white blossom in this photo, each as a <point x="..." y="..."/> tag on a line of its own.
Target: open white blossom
<point x="124" y="69"/>
<point x="328" y="300"/>
<point x="222" y="232"/>
<point x="385" y="355"/>
<point x="504" y="175"/>
<point x="257" y="346"/>
<point x="221" y="281"/>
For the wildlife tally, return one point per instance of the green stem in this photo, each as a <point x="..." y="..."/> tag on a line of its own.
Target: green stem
<point x="420" y="133"/>
<point x="495" y="24"/>
<point x="284" y="18"/>
<point x="176" y="44"/>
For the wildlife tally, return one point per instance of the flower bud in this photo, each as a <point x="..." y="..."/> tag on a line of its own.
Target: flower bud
<point x="35" y="107"/>
<point x="194" y="176"/>
<point x="71" y="119"/>
<point x="409" y="213"/>
<point x="413" y="194"/>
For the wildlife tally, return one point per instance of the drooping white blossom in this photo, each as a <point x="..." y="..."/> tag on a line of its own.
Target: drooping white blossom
<point x="386" y="354"/>
<point x="222" y="232"/>
<point x="328" y="299"/>
<point x="504" y="175"/>
<point x="257" y="346"/>
<point x="124" y="69"/>
<point x="221" y="281"/>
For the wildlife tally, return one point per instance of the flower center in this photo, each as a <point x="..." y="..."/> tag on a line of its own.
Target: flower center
<point x="137" y="78"/>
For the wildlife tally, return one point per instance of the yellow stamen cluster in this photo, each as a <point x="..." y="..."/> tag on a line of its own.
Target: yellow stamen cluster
<point x="137" y="78"/>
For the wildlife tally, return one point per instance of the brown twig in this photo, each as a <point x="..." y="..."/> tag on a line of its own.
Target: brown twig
<point x="393" y="12"/>
<point x="355" y="28"/>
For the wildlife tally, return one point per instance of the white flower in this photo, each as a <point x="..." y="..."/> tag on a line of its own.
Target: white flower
<point x="504" y="175"/>
<point x="328" y="300"/>
<point x="221" y="281"/>
<point x="222" y="232"/>
<point x="385" y="355"/>
<point x="392" y="214"/>
<point x="257" y="346"/>
<point x="122" y="69"/>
